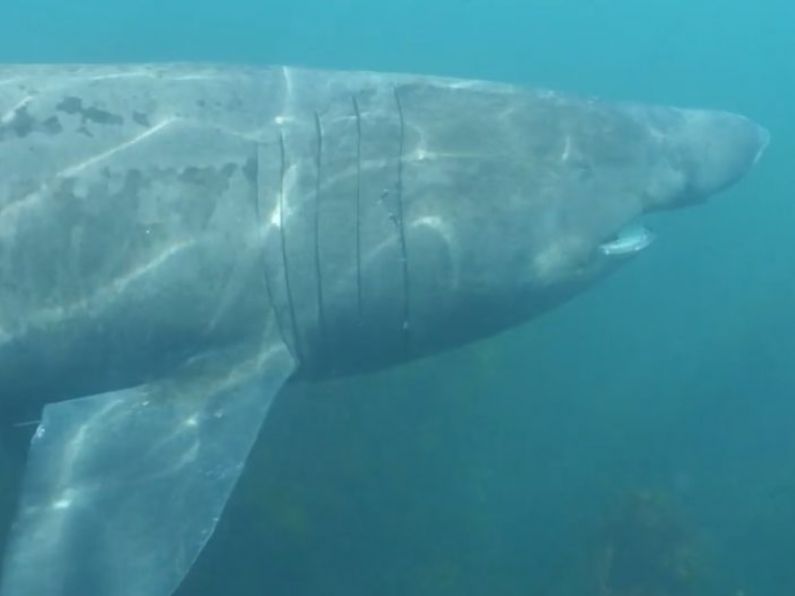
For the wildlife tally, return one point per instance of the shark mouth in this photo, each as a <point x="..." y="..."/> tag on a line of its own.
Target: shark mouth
<point x="630" y="240"/>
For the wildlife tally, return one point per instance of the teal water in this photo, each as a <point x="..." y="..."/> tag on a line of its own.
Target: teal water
<point x="497" y="469"/>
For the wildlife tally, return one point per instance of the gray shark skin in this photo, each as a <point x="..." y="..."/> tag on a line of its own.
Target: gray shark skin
<point x="177" y="241"/>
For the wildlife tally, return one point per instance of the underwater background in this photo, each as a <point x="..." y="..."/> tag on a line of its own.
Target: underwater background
<point x="637" y="441"/>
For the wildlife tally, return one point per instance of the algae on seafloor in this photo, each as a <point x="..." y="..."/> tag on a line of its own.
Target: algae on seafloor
<point x="647" y="548"/>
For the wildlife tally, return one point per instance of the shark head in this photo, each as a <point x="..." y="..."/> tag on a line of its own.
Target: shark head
<point x="518" y="200"/>
<point x="711" y="150"/>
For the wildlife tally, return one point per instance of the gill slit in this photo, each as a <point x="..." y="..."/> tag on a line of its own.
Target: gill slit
<point x="400" y="220"/>
<point x="285" y="265"/>
<point x="268" y="283"/>
<point x="358" y="207"/>
<point x="321" y="315"/>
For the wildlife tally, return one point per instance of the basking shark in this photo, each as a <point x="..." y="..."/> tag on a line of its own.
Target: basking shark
<point x="179" y="241"/>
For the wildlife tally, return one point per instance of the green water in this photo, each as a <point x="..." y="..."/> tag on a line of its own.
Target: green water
<point x="495" y="470"/>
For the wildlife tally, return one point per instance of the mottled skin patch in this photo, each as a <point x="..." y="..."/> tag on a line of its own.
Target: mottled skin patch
<point x="74" y="105"/>
<point x="250" y="170"/>
<point x="52" y="125"/>
<point x="214" y="180"/>
<point x="141" y="118"/>
<point x="22" y="124"/>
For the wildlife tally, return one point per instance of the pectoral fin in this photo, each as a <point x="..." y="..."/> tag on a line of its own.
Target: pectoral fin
<point x="124" y="489"/>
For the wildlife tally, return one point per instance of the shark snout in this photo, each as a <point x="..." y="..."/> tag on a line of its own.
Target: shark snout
<point x="764" y="141"/>
<point x="719" y="148"/>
